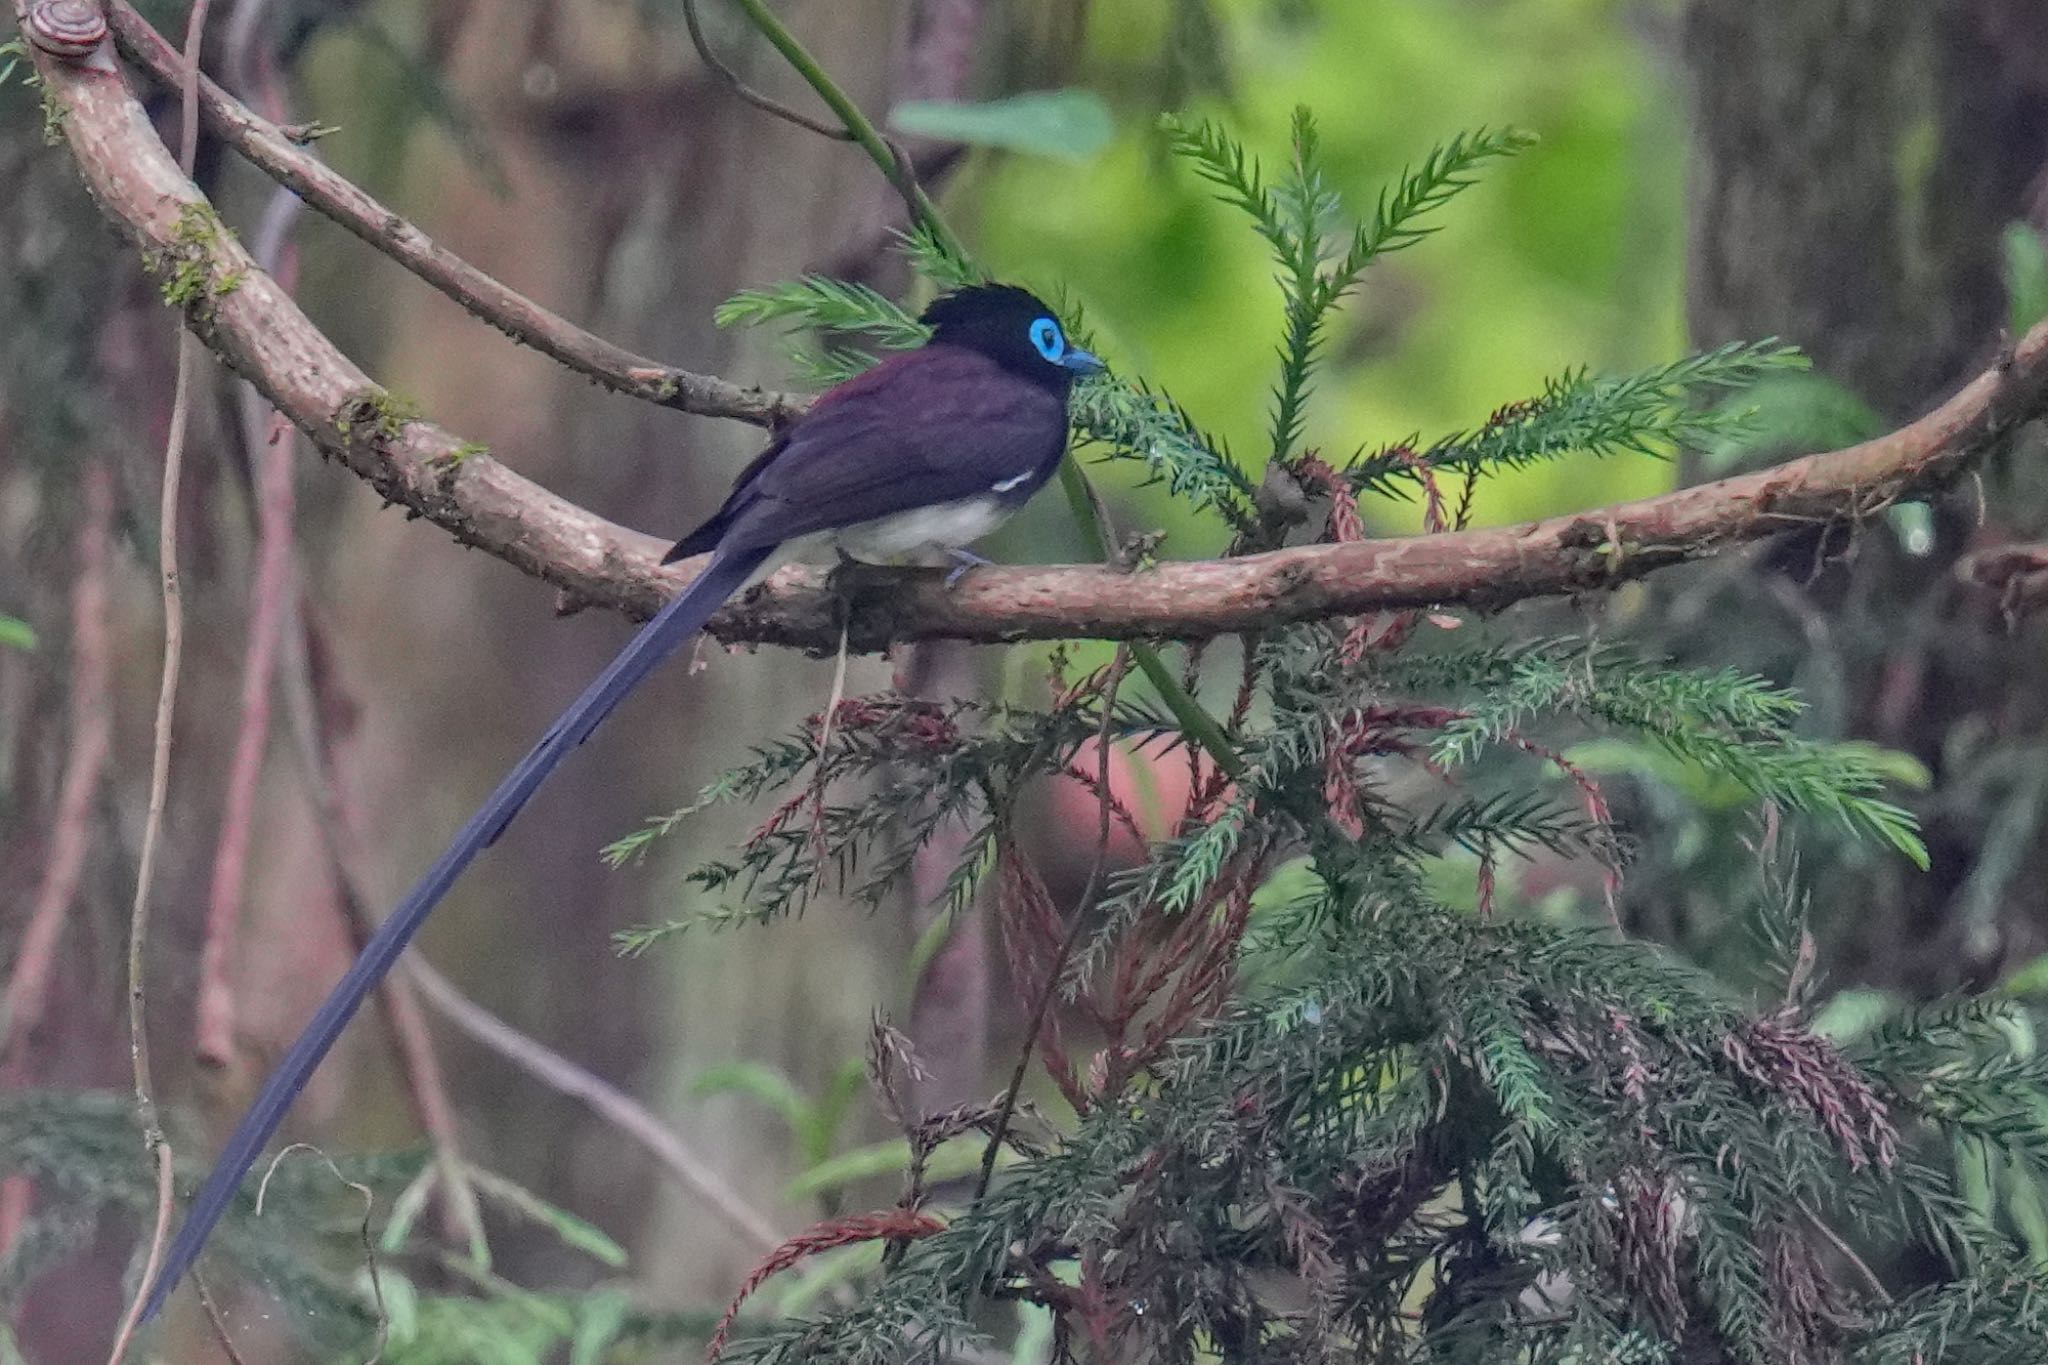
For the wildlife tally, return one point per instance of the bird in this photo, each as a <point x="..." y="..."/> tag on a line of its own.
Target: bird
<point x="908" y="462"/>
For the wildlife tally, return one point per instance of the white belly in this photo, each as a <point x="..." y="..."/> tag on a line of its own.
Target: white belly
<point x="922" y="535"/>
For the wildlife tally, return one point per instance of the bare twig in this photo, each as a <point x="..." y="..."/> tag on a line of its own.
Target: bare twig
<point x="216" y="1321"/>
<point x="153" y="1138"/>
<point x="268" y="457"/>
<point x="267" y="147"/>
<point x="165" y="1198"/>
<point x="692" y="21"/>
<point x="188" y="87"/>
<point x="152" y="828"/>
<point x="427" y="1086"/>
<point x="270" y="594"/>
<point x="607" y="1101"/>
<point x="368" y="1242"/>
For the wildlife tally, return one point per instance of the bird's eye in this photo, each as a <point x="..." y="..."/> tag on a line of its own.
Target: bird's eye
<point x="1046" y="336"/>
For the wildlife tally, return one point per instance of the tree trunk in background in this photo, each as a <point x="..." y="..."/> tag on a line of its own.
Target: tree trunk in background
<point x="1855" y="162"/>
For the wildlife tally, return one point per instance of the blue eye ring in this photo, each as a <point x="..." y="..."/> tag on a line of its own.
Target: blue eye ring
<point x="1049" y="341"/>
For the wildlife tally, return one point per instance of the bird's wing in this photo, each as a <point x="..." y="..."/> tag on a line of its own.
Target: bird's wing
<point x="930" y="427"/>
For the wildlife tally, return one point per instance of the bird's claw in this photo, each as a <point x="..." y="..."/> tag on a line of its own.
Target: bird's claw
<point x="963" y="560"/>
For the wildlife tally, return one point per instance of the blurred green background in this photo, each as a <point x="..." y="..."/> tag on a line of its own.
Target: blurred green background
<point x="1569" y="255"/>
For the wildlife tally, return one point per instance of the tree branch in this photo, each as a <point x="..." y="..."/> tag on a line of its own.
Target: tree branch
<point x="693" y="22"/>
<point x="267" y="147"/>
<point x="259" y="332"/>
<point x="609" y="1102"/>
<point x="886" y="155"/>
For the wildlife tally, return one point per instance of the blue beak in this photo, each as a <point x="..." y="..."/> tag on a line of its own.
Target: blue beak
<point x="1081" y="362"/>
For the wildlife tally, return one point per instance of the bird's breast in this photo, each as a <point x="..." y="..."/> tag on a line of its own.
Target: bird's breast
<point x="922" y="535"/>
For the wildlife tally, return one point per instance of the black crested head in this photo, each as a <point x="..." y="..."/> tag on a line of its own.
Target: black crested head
<point x="1012" y="327"/>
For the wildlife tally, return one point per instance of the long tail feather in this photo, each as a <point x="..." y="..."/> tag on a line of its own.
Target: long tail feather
<point x="676" y="622"/>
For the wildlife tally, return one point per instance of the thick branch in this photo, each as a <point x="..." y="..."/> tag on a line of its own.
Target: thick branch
<point x="257" y="330"/>
<point x="272" y="152"/>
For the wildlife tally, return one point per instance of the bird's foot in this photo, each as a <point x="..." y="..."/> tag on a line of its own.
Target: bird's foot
<point x="963" y="560"/>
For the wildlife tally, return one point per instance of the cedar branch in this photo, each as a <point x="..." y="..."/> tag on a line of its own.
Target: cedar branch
<point x="272" y="151"/>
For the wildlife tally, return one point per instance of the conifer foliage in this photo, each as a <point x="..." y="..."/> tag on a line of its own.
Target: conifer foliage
<point x="1317" y="1112"/>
